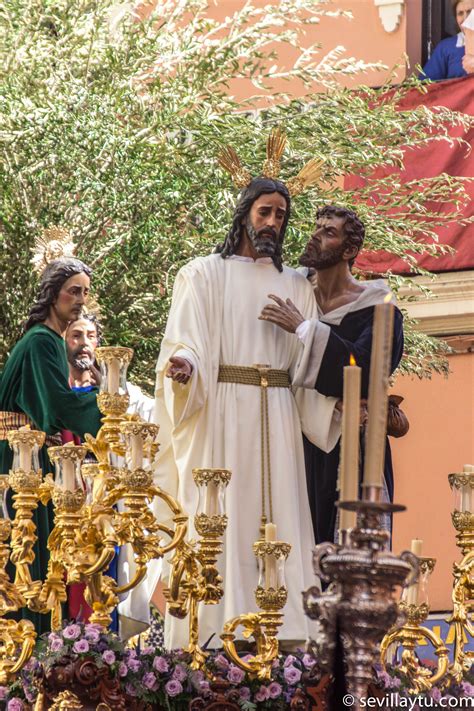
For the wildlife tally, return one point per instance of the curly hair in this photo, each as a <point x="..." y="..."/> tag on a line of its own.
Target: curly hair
<point x="354" y="230"/>
<point x="94" y="320"/>
<point x="52" y="279"/>
<point x="258" y="187"/>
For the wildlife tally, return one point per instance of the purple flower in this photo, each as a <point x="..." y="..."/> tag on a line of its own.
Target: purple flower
<point x="56" y="644"/>
<point x="150" y="681"/>
<point x="235" y="675"/>
<point x="81" y="646"/>
<point x="71" y="632"/>
<point x="147" y="650"/>
<point x="123" y="669"/>
<point x="3" y="692"/>
<point x="289" y="660"/>
<point x="384" y="677"/>
<point x="245" y="693"/>
<point x="467" y="688"/>
<point x="91" y="633"/>
<point x="396" y="683"/>
<point x="130" y="690"/>
<point x="132" y="654"/>
<point x="134" y="665"/>
<point x="160" y="665"/>
<point x="292" y="675"/>
<point x="221" y="662"/>
<point x="15" y="704"/>
<point x="52" y="636"/>
<point x="173" y="687"/>
<point x="204" y="687"/>
<point x="309" y="661"/>
<point x="262" y="694"/>
<point x="274" y="690"/>
<point x="179" y="673"/>
<point x="435" y="694"/>
<point x="108" y="656"/>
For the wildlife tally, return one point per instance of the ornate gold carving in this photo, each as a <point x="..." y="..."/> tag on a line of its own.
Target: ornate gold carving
<point x="29" y="482"/>
<point x="17" y="641"/>
<point x="216" y="476"/>
<point x="53" y="243"/>
<point x="210" y="525"/>
<point x="460" y="479"/>
<point x="107" y="354"/>
<point x="145" y="430"/>
<point x="65" y="701"/>
<point x="69" y="500"/>
<point x="241" y="177"/>
<point x="113" y="404"/>
<point x="277" y="548"/>
<point x="74" y="452"/>
<point x="25" y="435"/>
<point x="271" y="599"/>
<point x="136" y="479"/>
<point x="463" y="520"/>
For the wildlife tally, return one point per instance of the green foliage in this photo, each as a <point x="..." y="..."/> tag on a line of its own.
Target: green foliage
<point x="109" y="125"/>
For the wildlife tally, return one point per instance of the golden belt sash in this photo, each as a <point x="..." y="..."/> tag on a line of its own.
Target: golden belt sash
<point x="263" y="377"/>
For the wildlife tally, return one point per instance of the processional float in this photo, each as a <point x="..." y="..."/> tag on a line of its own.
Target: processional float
<point x="89" y="526"/>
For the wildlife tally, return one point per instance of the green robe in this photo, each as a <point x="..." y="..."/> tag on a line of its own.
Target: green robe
<point x="35" y="381"/>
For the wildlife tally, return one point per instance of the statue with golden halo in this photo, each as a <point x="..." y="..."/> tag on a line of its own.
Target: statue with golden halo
<point x="35" y="393"/>
<point x="224" y="396"/>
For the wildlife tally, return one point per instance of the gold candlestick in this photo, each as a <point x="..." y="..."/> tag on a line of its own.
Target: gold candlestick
<point x="194" y="577"/>
<point x="408" y="635"/>
<point x="270" y="596"/>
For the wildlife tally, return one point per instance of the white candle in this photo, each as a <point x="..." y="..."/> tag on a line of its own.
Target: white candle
<point x="25" y="456"/>
<point x="380" y="361"/>
<point x="466" y="491"/>
<point x="211" y="499"/>
<point x="69" y="475"/>
<point x="270" y="561"/>
<point x="113" y="372"/>
<point x="412" y="591"/>
<point x="349" y="458"/>
<point x="136" y="459"/>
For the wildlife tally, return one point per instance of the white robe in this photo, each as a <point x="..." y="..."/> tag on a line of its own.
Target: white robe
<point x="214" y="320"/>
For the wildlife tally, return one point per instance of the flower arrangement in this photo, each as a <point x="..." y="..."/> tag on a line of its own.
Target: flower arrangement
<point x="148" y="676"/>
<point x="393" y="681"/>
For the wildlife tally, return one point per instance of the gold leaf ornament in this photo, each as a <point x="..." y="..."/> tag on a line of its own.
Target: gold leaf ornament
<point x="230" y="161"/>
<point x="53" y="243"/>
<point x="275" y="146"/>
<point x="308" y="175"/>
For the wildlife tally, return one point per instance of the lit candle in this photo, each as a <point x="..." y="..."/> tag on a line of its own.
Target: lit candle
<point x="136" y="459"/>
<point x="377" y="406"/>
<point x="113" y="373"/>
<point x="349" y="459"/>
<point x="270" y="561"/>
<point x="69" y="474"/>
<point x="412" y="591"/>
<point x="466" y="491"/>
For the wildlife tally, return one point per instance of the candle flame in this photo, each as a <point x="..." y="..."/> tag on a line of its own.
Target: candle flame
<point x="352" y="360"/>
<point x="388" y="298"/>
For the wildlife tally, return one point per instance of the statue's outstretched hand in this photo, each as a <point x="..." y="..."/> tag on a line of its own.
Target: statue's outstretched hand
<point x="179" y="370"/>
<point x="282" y="313"/>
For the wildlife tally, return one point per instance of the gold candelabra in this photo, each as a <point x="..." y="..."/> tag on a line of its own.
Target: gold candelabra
<point x="408" y="635"/>
<point x="88" y="525"/>
<point x="194" y="577"/>
<point x="270" y="595"/>
<point x="462" y="485"/>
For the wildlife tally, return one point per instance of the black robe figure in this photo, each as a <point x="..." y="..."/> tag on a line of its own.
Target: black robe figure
<point x="351" y="333"/>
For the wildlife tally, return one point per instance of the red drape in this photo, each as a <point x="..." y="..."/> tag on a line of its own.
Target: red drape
<point x="429" y="161"/>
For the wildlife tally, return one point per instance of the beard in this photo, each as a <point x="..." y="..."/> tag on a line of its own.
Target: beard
<point x="82" y="362"/>
<point x="319" y="260"/>
<point x="264" y="241"/>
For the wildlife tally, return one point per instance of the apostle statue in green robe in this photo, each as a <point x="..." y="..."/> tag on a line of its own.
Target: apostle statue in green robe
<point x="35" y="390"/>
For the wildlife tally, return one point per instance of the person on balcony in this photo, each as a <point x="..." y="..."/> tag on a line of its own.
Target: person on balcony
<point x="449" y="59"/>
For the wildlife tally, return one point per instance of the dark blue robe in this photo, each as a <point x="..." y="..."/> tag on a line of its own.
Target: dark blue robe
<point x="352" y="335"/>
